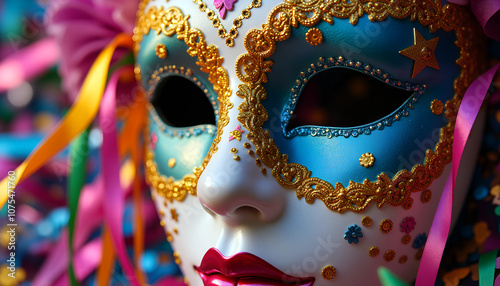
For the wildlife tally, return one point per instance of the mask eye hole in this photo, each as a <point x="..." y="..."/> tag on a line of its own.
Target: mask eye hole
<point x="343" y="97"/>
<point x="179" y="102"/>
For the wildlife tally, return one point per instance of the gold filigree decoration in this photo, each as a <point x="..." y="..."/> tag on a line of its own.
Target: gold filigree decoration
<point x="374" y="251"/>
<point x="216" y="22"/>
<point x="366" y="221"/>
<point x="367" y="160"/>
<point x="329" y="272"/>
<point x="389" y="255"/>
<point x="253" y="66"/>
<point x="172" y="21"/>
<point x="437" y="106"/>
<point x="386" y="226"/>
<point x="161" y="51"/>
<point x="314" y="36"/>
<point x="168" y="187"/>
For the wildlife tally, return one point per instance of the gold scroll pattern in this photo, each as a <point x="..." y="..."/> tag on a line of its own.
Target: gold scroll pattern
<point x="172" y="21"/>
<point x="252" y="67"/>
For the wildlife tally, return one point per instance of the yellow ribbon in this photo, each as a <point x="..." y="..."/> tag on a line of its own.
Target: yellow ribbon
<point x="78" y="118"/>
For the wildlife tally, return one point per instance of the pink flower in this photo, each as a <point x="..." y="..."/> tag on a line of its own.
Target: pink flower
<point x="236" y="133"/>
<point x="154" y="140"/>
<point x="408" y="224"/>
<point x="82" y="29"/>
<point x="223" y="6"/>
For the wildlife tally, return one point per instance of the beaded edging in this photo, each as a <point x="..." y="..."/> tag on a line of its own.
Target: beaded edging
<point x="330" y="132"/>
<point x="164" y="72"/>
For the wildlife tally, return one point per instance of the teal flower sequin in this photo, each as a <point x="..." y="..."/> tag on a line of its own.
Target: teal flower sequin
<point x="353" y="233"/>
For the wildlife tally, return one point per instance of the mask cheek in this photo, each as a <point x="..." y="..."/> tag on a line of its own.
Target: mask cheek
<point x="187" y="229"/>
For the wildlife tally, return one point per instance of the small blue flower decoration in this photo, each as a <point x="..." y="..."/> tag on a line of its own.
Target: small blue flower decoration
<point x="353" y="233"/>
<point x="420" y="241"/>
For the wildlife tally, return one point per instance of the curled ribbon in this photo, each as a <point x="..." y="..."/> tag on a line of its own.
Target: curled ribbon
<point x="78" y="118"/>
<point x="487" y="13"/>
<point x="433" y="251"/>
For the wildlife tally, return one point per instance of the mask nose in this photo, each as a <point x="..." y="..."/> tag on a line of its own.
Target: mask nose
<point x="235" y="187"/>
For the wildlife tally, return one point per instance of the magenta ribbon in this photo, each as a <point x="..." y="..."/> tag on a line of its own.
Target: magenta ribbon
<point x="487" y="13"/>
<point x="469" y="108"/>
<point x="105" y="197"/>
<point x="28" y="63"/>
<point x="114" y="196"/>
<point x="89" y="218"/>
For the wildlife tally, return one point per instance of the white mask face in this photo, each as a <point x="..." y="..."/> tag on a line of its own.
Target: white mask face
<point x="363" y="111"/>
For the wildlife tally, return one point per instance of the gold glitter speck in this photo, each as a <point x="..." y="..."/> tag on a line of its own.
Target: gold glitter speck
<point x="437" y="106"/>
<point x="247" y="145"/>
<point x="174" y="214"/>
<point x="314" y="36"/>
<point x="171" y="162"/>
<point x="374" y="251"/>
<point x="161" y="51"/>
<point x="367" y="221"/>
<point x="236" y="157"/>
<point x="386" y="226"/>
<point x="367" y="160"/>
<point x="264" y="171"/>
<point x="234" y="150"/>
<point x="177" y="258"/>
<point x="251" y="153"/>
<point x="170" y="238"/>
<point x="329" y="272"/>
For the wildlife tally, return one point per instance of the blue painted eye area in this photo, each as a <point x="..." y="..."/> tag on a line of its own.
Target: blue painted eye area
<point x="180" y="102"/>
<point x="343" y="97"/>
<point x="338" y="97"/>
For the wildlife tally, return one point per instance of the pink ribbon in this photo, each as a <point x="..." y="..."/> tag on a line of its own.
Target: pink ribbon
<point x="89" y="218"/>
<point x="114" y="197"/>
<point x="87" y="258"/>
<point x="487" y="13"/>
<point x="28" y="63"/>
<point x="94" y="201"/>
<point x="469" y="108"/>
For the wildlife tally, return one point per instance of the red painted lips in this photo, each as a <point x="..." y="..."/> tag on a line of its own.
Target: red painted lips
<point x="243" y="269"/>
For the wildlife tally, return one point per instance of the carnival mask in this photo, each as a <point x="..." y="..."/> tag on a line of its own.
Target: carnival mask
<point x="302" y="141"/>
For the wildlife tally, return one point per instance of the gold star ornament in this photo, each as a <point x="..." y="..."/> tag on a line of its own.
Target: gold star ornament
<point x="422" y="52"/>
